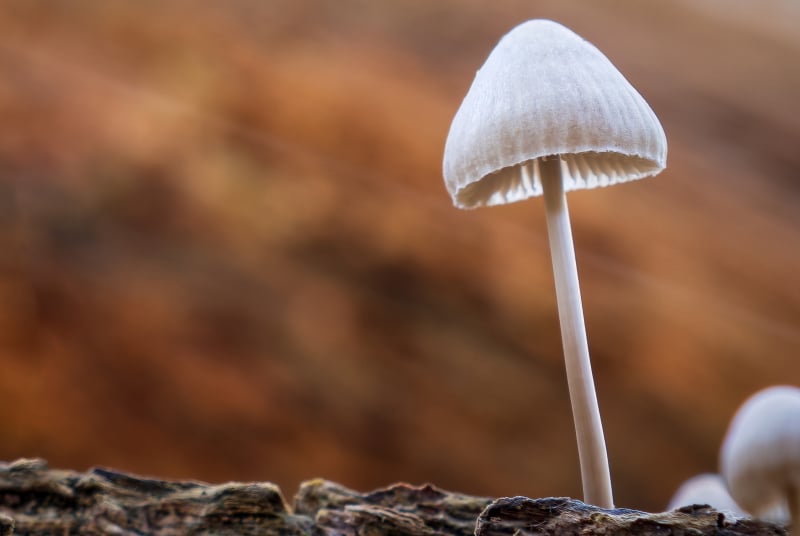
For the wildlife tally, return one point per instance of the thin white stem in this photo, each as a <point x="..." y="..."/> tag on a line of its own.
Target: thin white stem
<point x="585" y="411"/>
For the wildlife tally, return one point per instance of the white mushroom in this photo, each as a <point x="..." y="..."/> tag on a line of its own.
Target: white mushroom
<point x="548" y="113"/>
<point x="760" y="458"/>
<point x="706" y="488"/>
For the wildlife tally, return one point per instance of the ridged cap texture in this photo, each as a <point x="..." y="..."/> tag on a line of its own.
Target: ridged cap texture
<point x="545" y="91"/>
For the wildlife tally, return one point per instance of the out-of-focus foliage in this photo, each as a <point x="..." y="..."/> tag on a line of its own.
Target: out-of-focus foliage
<point x="226" y="251"/>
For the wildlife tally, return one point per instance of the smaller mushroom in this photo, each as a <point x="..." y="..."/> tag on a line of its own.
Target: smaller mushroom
<point x="760" y="458"/>
<point x="706" y="488"/>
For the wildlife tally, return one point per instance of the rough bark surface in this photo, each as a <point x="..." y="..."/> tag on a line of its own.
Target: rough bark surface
<point x="400" y="509"/>
<point x="37" y="500"/>
<point x="522" y="516"/>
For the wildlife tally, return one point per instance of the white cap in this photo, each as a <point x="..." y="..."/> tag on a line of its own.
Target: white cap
<point x="706" y="488"/>
<point x="760" y="458"/>
<point x="545" y="91"/>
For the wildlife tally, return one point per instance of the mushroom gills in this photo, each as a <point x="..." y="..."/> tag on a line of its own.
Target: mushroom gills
<point x="582" y="171"/>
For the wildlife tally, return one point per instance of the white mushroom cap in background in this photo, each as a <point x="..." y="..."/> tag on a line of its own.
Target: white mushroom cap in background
<point x="760" y="458"/>
<point x="546" y="91"/>
<point x="706" y="488"/>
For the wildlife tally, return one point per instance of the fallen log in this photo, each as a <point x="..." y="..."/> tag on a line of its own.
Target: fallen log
<point x="37" y="500"/>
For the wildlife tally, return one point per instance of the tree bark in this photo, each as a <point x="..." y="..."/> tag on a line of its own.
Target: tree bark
<point x="37" y="500"/>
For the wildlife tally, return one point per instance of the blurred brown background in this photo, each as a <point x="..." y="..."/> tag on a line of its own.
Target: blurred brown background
<point x="226" y="251"/>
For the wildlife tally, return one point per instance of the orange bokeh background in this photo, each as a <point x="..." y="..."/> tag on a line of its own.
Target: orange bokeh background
<point x="228" y="254"/>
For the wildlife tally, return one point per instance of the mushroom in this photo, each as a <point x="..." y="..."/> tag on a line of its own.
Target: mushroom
<point x="548" y="113"/>
<point x="760" y="457"/>
<point x="706" y="488"/>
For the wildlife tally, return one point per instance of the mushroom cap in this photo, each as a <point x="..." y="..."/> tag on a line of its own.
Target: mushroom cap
<point x="760" y="458"/>
<point x="545" y="91"/>
<point x="706" y="488"/>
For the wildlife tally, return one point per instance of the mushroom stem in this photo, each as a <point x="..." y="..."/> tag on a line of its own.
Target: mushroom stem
<point x="585" y="411"/>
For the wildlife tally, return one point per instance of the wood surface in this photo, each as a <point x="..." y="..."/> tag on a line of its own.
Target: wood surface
<point x="37" y="500"/>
